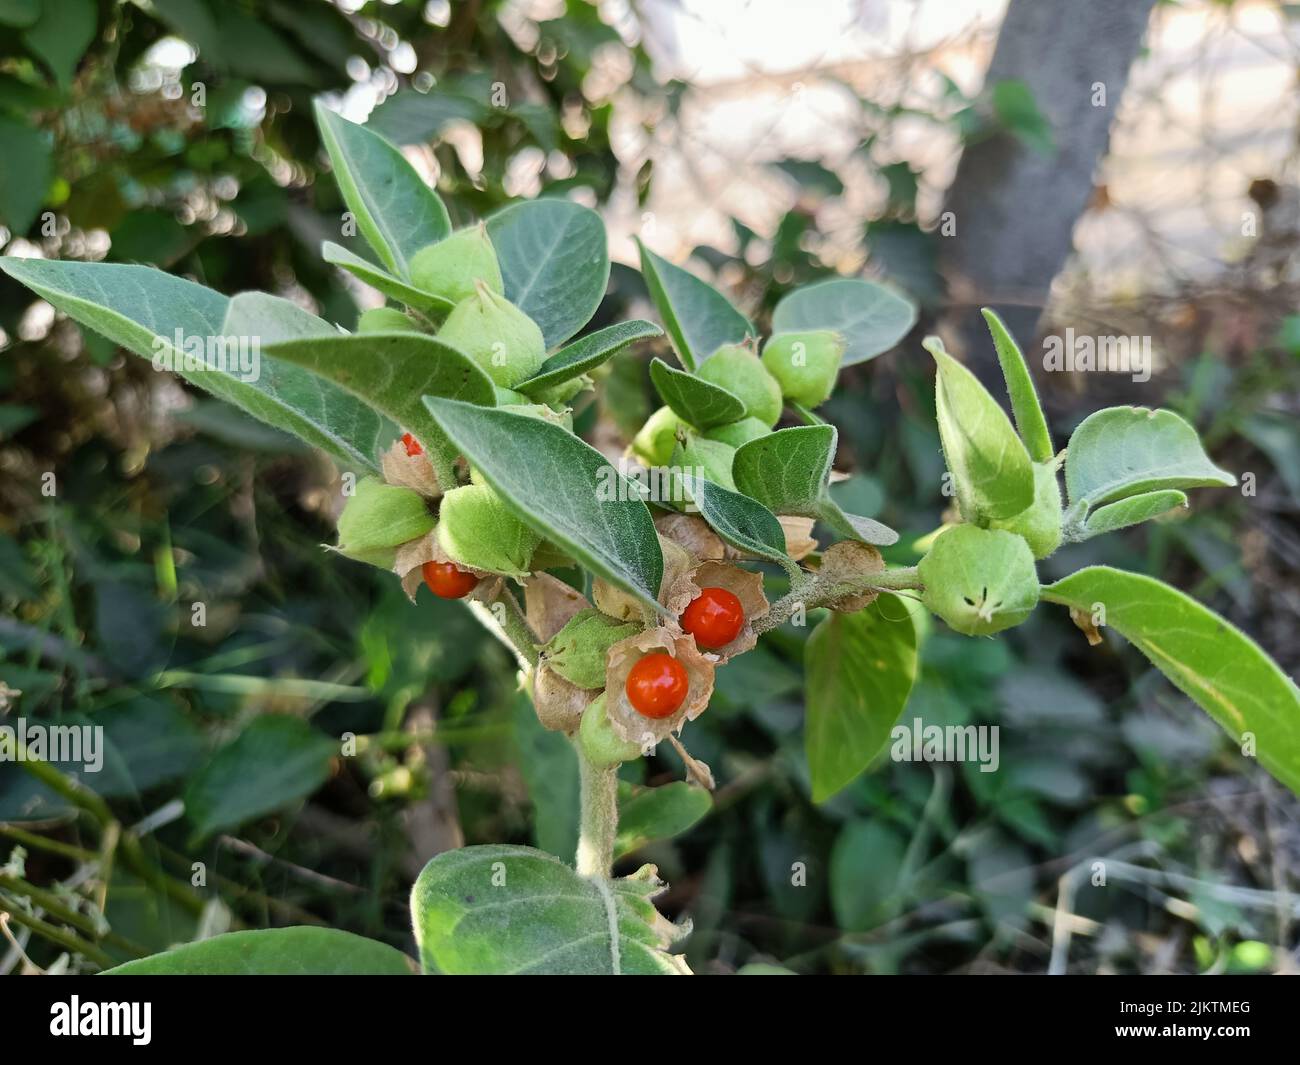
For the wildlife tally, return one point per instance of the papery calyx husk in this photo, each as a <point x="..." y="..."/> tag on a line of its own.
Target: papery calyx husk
<point x="736" y="368"/>
<point x="849" y="563"/>
<point x="408" y="564"/>
<point x="410" y="471"/>
<point x="805" y="364"/>
<point x="450" y="267"/>
<point x="799" y="542"/>
<point x="980" y="581"/>
<point x="386" y="320"/>
<point x="624" y="606"/>
<point x="623" y="719"/>
<point x="1040" y="522"/>
<point x="549" y="604"/>
<point x="559" y="703"/>
<point x="656" y="439"/>
<point x="378" y="518"/>
<point x="478" y="530"/>
<point x="578" y="651"/>
<point x="745" y="585"/>
<point x="497" y="335"/>
<point x="692" y="533"/>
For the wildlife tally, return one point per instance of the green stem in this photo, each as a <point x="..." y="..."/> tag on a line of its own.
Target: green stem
<point x="64" y="938"/>
<point x="599" y="818"/>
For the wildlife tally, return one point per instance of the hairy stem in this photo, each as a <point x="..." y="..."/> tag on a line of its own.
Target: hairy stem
<point x="599" y="820"/>
<point x="813" y="591"/>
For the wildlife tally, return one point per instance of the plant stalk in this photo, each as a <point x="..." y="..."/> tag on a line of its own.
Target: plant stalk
<point x="599" y="819"/>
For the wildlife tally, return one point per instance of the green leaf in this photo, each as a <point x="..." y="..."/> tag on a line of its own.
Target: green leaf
<point x="869" y="317"/>
<point x="1126" y="512"/>
<point x="499" y="910"/>
<point x="391" y="372"/>
<point x="1211" y="661"/>
<point x="142" y="309"/>
<point x="19" y="13"/>
<point x="648" y="814"/>
<point x="61" y="36"/>
<point x="268" y="319"/>
<point x="865" y="871"/>
<point x="1020" y="387"/>
<point x="990" y="467"/>
<point x="296" y="951"/>
<point x="1017" y="110"/>
<point x="1125" y="451"/>
<point x="554" y="262"/>
<point x="694" y="400"/>
<point x="395" y="210"/>
<point x="549" y="766"/>
<point x="789" y="473"/>
<point x="23" y="188"/>
<point x="381" y="280"/>
<point x="741" y="521"/>
<point x="859" y="669"/>
<point x="563" y="489"/>
<point x="698" y="318"/>
<point x="587" y="353"/>
<point x="275" y="761"/>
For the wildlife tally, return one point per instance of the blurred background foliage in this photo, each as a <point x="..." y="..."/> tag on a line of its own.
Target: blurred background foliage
<point x="172" y="588"/>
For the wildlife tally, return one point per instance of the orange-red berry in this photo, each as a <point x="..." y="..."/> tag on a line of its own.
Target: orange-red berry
<point x="714" y="617"/>
<point x="657" y="685"/>
<point x="412" y="445"/>
<point x="447" y="580"/>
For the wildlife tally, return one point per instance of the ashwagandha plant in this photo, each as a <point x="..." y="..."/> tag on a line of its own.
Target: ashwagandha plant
<point x="454" y="413"/>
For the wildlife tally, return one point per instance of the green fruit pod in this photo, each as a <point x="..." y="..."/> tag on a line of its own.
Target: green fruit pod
<point x="980" y="581"/>
<point x="451" y="267"/>
<point x="805" y="365"/>
<point x="738" y="370"/>
<point x="497" y="335"/>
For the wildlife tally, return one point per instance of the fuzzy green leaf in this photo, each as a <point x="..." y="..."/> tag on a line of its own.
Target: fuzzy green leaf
<point x="381" y="280"/>
<point x="141" y="309"/>
<point x="554" y="262"/>
<point x="741" y="521"/>
<point x="498" y="910"/>
<point x="698" y="318"/>
<point x="648" y="814"/>
<point x="990" y="467"/>
<point x="869" y="317"/>
<point x="1211" y="661"/>
<point x="694" y="400"/>
<point x="395" y="210"/>
<point x="859" y="671"/>
<point x="295" y="951"/>
<point x="562" y="488"/>
<point x="1020" y="387"/>
<point x="1130" y="511"/>
<point x="587" y="353"/>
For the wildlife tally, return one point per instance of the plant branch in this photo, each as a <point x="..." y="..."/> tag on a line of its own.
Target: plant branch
<point x="599" y="817"/>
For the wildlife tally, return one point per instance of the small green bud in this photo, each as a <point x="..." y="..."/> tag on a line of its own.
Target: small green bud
<point x="980" y="581"/>
<point x="600" y="744"/>
<point x="378" y="518"/>
<point x="1040" y="522"/>
<point x="385" y="320"/>
<point x="477" y="530"/>
<point x="654" y="444"/>
<point x="737" y="434"/>
<point x="738" y="370"/>
<point x="805" y="365"/>
<point x="713" y="456"/>
<point x="497" y="335"/>
<point x="577" y="652"/>
<point x="450" y="267"/>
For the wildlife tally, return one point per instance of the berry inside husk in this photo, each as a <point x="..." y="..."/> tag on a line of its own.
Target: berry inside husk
<point x="412" y="445"/>
<point x="446" y="580"/>
<point x="714" y="617"/>
<point x="657" y="685"/>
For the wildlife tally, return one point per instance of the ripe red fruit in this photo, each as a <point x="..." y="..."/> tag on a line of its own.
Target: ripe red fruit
<point x="714" y="617"/>
<point x="446" y="580"/>
<point x="412" y="445"/>
<point x="657" y="685"/>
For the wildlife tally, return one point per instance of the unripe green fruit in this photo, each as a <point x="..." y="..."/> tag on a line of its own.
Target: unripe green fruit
<point x="738" y="370"/>
<point x="385" y="320"/>
<point x="805" y="365"/>
<point x="654" y="444"/>
<point x="378" y="518"/>
<point x="497" y="335"/>
<point x="601" y="746"/>
<point x="980" y="581"/>
<point x="712" y="456"/>
<point x="737" y="434"/>
<point x="564" y="391"/>
<point x="508" y="397"/>
<point x="450" y="267"/>
<point x="476" y="529"/>
<point x="577" y="652"/>
<point x="1040" y="522"/>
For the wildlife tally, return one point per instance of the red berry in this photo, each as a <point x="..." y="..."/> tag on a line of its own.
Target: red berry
<point x="656" y="686"/>
<point x="447" y="580"/>
<point x="714" y="617"/>
<point x="412" y="445"/>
